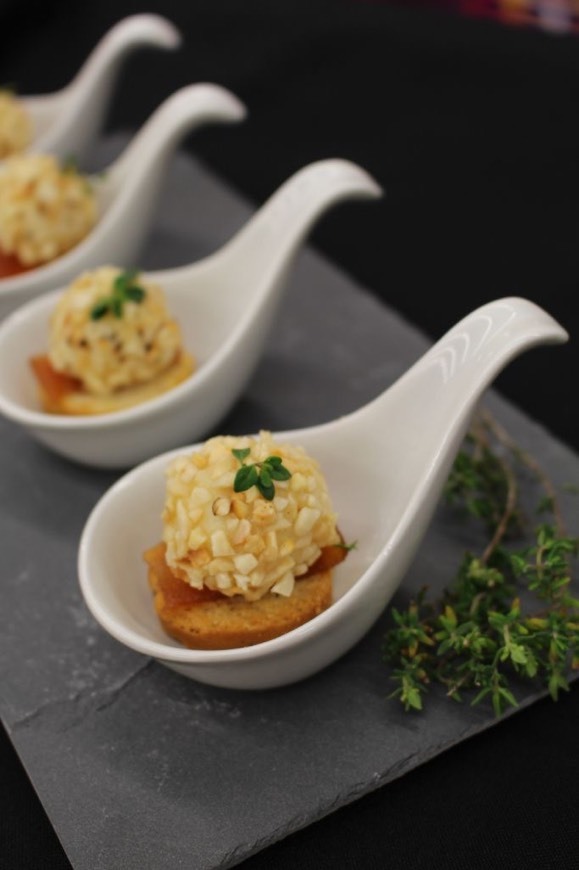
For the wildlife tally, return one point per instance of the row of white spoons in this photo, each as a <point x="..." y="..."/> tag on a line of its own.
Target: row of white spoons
<point x="385" y="464"/>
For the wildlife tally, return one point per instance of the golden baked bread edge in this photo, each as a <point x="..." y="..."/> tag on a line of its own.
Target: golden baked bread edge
<point x="229" y="623"/>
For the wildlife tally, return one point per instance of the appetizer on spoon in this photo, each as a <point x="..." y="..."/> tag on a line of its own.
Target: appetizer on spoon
<point x="78" y="222"/>
<point x="46" y="209"/>
<point x="248" y="546"/>
<point x="385" y="467"/>
<point x="67" y="122"/>
<point x="112" y="344"/>
<point x="223" y="304"/>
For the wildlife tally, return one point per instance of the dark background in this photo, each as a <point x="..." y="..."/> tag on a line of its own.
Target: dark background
<point x="473" y="129"/>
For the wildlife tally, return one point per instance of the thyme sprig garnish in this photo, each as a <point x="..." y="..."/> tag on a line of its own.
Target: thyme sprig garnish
<point x="125" y="289"/>
<point x="259" y="474"/>
<point x="69" y="165"/>
<point x="510" y="613"/>
<point x="347" y="547"/>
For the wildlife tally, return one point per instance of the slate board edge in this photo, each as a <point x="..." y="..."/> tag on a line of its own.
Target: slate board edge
<point x="244" y="851"/>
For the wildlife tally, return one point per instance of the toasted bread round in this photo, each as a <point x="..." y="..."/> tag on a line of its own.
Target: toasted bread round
<point x="227" y="623"/>
<point x="80" y="403"/>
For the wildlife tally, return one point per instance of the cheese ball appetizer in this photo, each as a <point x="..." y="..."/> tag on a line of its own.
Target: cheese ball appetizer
<point x="15" y="125"/>
<point x="112" y="344"/>
<point x="45" y="210"/>
<point x="249" y="541"/>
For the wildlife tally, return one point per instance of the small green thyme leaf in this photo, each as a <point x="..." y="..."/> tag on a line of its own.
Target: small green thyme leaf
<point x="264" y="484"/>
<point x="124" y="290"/>
<point x="347" y="547"/>
<point x="124" y="280"/>
<point x="265" y="476"/>
<point x="545" y="506"/>
<point x="99" y="310"/>
<point x="135" y="294"/>
<point x="260" y="474"/>
<point x="267" y="490"/>
<point x="69" y="165"/>
<point x="279" y="472"/>
<point x="245" y="478"/>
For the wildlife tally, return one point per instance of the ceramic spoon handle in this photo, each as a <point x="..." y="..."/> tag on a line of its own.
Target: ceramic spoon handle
<point x="70" y="119"/>
<point x="425" y="415"/>
<point x="269" y="241"/>
<point x="465" y="361"/>
<point x="131" y="185"/>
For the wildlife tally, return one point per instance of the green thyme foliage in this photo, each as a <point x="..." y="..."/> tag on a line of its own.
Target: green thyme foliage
<point x="479" y="636"/>
<point x="347" y="547"/>
<point x="260" y="474"/>
<point x="479" y="485"/>
<point x="69" y="165"/>
<point x="125" y="289"/>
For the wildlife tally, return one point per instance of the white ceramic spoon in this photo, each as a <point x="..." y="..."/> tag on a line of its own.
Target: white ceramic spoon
<point x="224" y="304"/>
<point x="66" y="122"/>
<point x="127" y="191"/>
<point x="385" y="464"/>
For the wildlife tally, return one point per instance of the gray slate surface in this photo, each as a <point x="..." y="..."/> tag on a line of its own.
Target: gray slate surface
<point x="137" y="766"/>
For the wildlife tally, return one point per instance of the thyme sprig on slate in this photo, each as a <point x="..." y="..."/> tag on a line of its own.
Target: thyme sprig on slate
<point x="260" y="474"/>
<point x="480" y="637"/>
<point x="124" y="290"/>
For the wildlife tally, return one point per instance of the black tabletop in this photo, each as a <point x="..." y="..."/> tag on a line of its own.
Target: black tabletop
<point x="473" y="130"/>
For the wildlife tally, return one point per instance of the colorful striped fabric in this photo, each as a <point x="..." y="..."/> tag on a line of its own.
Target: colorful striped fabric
<point x="556" y="15"/>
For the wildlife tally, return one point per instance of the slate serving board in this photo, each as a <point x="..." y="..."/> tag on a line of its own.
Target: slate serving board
<point x="137" y="766"/>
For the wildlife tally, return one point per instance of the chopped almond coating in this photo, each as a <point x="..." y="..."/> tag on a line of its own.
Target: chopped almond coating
<point x="112" y="352"/>
<point x="239" y="542"/>
<point x="15" y="125"/>
<point x="44" y="209"/>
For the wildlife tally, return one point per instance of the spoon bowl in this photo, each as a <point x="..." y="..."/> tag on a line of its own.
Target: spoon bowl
<point x="66" y="122"/>
<point x="385" y="465"/>
<point x="127" y="192"/>
<point x="225" y="305"/>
